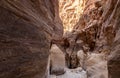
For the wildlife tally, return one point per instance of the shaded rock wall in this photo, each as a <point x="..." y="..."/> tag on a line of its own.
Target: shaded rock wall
<point x="114" y="58"/>
<point x="26" y="29"/>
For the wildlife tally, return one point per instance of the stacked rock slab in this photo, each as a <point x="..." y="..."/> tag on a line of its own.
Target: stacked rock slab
<point x="26" y="29"/>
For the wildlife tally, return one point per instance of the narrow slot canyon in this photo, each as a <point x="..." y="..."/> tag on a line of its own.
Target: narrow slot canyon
<point x="59" y="39"/>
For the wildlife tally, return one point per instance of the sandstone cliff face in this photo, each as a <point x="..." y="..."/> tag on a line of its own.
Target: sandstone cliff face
<point x="99" y="27"/>
<point x="28" y="26"/>
<point x="26" y="29"/>
<point x="70" y="12"/>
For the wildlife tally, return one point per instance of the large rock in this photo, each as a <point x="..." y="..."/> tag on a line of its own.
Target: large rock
<point x="82" y="58"/>
<point x="57" y="61"/>
<point x="96" y="66"/>
<point x="26" y="29"/>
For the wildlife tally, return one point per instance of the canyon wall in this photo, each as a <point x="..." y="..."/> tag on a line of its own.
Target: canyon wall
<point x="28" y="26"/>
<point x="26" y="30"/>
<point x="99" y="28"/>
<point x="70" y="12"/>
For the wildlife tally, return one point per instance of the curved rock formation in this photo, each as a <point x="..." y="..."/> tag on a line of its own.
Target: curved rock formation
<point x="26" y="29"/>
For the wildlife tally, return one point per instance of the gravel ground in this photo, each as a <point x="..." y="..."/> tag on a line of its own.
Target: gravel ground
<point x="72" y="73"/>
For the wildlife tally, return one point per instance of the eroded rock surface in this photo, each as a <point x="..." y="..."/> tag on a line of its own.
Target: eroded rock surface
<point x="114" y="58"/>
<point x="98" y="28"/>
<point x="28" y="26"/>
<point x="70" y="11"/>
<point x="26" y="29"/>
<point x="96" y="66"/>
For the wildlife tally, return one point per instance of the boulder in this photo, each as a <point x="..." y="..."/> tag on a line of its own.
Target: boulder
<point x="82" y="58"/>
<point x="57" y="61"/>
<point x="96" y="66"/>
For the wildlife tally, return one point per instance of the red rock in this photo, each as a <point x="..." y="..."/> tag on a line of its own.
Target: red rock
<point x="26" y="29"/>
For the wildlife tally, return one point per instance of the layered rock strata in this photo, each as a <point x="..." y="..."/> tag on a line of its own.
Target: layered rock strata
<point x="26" y="30"/>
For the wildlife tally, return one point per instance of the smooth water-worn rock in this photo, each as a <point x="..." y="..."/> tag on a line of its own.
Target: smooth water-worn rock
<point x="26" y="29"/>
<point x="57" y="61"/>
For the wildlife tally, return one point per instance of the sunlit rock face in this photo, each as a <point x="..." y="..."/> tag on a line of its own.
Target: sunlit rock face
<point x="89" y="25"/>
<point x="70" y="12"/>
<point x="26" y="29"/>
<point x="57" y="61"/>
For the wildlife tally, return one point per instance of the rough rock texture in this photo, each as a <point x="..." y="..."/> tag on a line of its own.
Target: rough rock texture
<point x="114" y="58"/>
<point x="99" y="27"/>
<point x="96" y="66"/>
<point x="70" y="11"/>
<point x="26" y="29"/>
